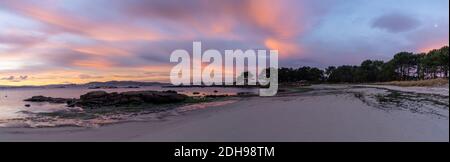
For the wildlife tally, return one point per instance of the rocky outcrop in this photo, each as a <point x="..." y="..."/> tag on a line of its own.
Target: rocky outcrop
<point x="49" y="99"/>
<point x="245" y="94"/>
<point x="101" y="98"/>
<point x="98" y="99"/>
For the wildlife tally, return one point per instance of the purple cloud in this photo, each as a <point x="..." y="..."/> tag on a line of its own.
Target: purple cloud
<point x="15" y="79"/>
<point x="396" y="22"/>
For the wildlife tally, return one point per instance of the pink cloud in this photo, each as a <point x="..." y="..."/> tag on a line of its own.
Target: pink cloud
<point x="68" y="22"/>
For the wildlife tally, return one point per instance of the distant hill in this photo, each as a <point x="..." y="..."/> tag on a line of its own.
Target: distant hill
<point x="123" y="83"/>
<point x="118" y="84"/>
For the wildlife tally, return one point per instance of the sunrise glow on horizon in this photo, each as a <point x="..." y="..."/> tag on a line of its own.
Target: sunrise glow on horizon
<point x="78" y="41"/>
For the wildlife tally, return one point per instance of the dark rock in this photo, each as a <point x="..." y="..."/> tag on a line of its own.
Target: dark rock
<point x="37" y="99"/>
<point x="245" y="94"/>
<point x="171" y="91"/>
<point x="216" y="96"/>
<point x="98" y="99"/>
<point x="48" y="99"/>
<point x="196" y="93"/>
<point x="101" y="98"/>
<point x="72" y="103"/>
<point x="215" y="91"/>
<point x="27" y="105"/>
<point x="94" y="95"/>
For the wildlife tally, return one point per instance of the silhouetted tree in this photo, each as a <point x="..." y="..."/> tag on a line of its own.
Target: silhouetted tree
<point x="300" y="74"/>
<point x="403" y="66"/>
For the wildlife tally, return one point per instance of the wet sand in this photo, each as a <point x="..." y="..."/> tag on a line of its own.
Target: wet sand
<point x="295" y="118"/>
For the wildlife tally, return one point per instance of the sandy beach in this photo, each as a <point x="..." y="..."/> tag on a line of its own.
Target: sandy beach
<point x="309" y="117"/>
<point x="224" y="71"/>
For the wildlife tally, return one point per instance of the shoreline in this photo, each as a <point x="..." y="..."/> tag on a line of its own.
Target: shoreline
<point x="290" y="118"/>
<point x="443" y="90"/>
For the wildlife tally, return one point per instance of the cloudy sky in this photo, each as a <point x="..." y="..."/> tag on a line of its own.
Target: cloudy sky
<point x="77" y="41"/>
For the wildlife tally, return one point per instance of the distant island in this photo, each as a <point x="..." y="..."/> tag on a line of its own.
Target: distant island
<point x="98" y="85"/>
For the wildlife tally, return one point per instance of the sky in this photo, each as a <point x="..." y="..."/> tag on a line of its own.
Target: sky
<point x="78" y="41"/>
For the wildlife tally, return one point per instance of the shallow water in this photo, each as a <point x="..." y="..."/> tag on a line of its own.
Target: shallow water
<point x="13" y="109"/>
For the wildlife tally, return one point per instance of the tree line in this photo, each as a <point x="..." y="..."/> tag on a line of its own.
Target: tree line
<point x="403" y="66"/>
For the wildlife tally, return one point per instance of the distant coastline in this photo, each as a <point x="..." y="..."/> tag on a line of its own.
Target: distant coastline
<point x="122" y="84"/>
